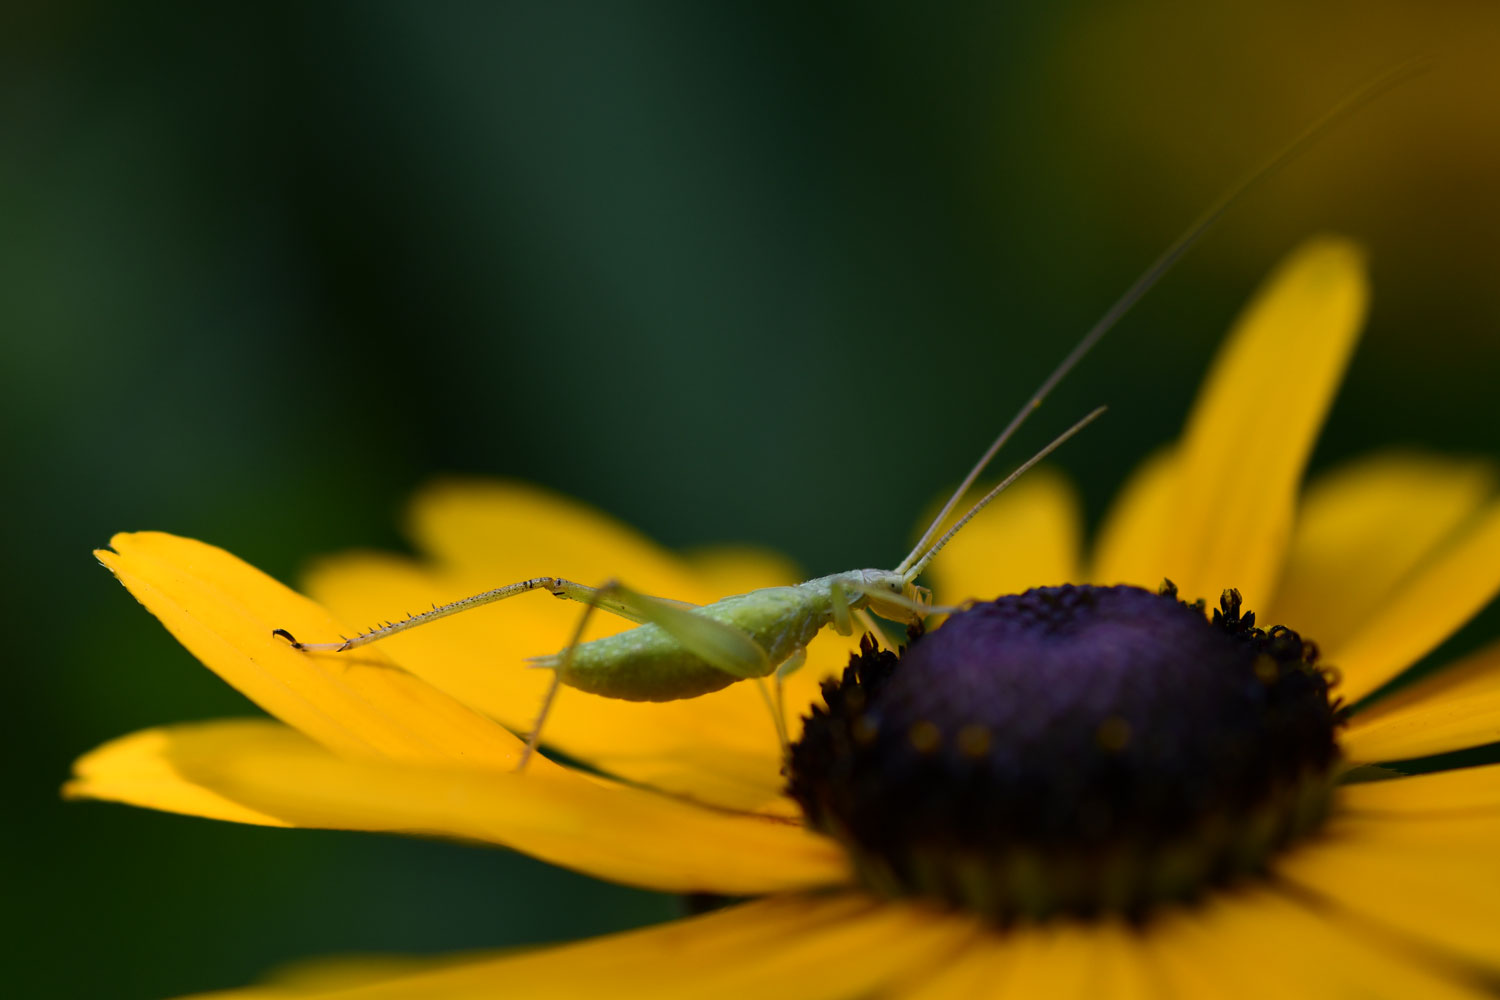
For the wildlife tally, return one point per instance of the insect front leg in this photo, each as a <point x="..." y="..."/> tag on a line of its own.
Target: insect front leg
<point x="838" y="598"/>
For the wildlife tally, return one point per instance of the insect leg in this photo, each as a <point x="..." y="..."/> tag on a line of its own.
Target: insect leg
<point x="792" y="664"/>
<point x="868" y="623"/>
<point x="880" y="598"/>
<point x="555" y="585"/>
<point x="789" y="666"/>
<point x="719" y="645"/>
<point x="778" y="716"/>
<point x="596" y="598"/>
<point x="838" y="594"/>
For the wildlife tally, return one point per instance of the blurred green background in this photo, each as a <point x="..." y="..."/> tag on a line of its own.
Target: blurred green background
<point x="769" y="272"/>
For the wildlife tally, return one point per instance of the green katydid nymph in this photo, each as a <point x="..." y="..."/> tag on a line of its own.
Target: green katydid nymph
<point x="680" y="651"/>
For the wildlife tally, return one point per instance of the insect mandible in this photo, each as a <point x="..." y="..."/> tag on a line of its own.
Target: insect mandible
<point x="681" y="651"/>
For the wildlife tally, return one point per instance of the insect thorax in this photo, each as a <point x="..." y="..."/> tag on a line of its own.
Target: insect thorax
<point x="887" y="593"/>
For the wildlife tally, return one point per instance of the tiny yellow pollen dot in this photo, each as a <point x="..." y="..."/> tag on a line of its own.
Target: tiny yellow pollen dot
<point x="864" y="730"/>
<point x="1113" y="734"/>
<point x="925" y="737"/>
<point x="1266" y="670"/>
<point x="974" y="740"/>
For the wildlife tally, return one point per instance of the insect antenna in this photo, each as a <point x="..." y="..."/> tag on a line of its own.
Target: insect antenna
<point x="1143" y="284"/>
<point x="915" y="570"/>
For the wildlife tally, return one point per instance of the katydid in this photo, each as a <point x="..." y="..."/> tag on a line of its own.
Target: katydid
<point x="679" y="651"/>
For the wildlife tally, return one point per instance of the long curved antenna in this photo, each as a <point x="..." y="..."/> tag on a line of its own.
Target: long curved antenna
<point x="915" y="570"/>
<point x="1159" y="267"/>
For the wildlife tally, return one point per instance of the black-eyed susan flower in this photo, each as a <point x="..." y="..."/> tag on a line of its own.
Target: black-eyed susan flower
<point x="1076" y="790"/>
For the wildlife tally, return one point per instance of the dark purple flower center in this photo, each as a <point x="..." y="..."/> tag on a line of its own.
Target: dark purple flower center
<point x="1071" y="749"/>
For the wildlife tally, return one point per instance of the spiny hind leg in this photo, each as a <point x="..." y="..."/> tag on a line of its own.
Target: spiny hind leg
<point x="555" y="585"/>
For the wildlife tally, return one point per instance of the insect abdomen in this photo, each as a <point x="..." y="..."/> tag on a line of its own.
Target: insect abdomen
<point x="647" y="664"/>
<point x="642" y="664"/>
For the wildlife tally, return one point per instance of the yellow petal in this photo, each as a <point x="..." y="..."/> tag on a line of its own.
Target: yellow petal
<point x="720" y="748"/>
<point x="1186" y="956"/>
<point x="223" y="611"/>
<point x="1132" y="544"/>
<point x="791" y="948"/>
<point x="1127" y="972"/>
<point x="329" y="975"/>
<point x="260" y="771"/>
<point x="1256" y="419"/>
<point x="1431" y="604"/>
<point x="1254" y="942"/>
<point x="1028" y="537"/>
<point x="141" y="769"/>
<point x="1061" y="961"/>
<point x="1455" y="708"/>
<point x="1426" y="796"/>
<point x="1430" y="878"/>
<point x="977" y="970"/>
<point x="1363" y="529"/>
<point x="508" y="531"/>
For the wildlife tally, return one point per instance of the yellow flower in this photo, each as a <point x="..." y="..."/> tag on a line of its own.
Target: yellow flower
<point x="1395" y="895"/>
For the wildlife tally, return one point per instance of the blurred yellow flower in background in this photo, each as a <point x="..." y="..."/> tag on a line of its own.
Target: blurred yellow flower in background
<point x="1415" y="176"/>
<point x="1378" y="561"/>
